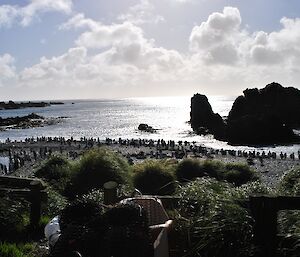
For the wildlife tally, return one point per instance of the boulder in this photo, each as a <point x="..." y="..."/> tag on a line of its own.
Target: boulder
<point x="202" y="118"/>
<point x="146" y="128"/>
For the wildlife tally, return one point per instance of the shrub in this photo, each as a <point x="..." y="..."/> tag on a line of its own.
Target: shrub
<point x="15" y="250"/>
<point x="214" y="169"/>
<point x="79" y="212"/>
<point x="236" y="173"/>
<point x="188" y="169"/>
<point x="12" y="219"/>
<point x="290" y="183"/>
<point x="200" y="195"/>
<point x="154" y="178"/>
<point x="217" y="225"/>
<point x="55" y="203"/>
<point x="95" y="168"/>
<point x="289" y="221"/>
<point x="56" y="171"/>
<point x="251" y="188"/>
<point x="239" y="173"/>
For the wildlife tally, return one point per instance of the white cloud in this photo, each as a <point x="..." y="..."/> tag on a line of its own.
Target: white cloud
<point x="217" y="39"/>
<point x="79" y="21"/>
<point x="143" y="12"/>
<point x="7" y="69"/>
<point x="24" y="15"/>
<point x="107" y="35"/>
<point x="119" y="60"/>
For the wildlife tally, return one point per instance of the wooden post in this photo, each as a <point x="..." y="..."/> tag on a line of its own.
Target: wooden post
<point x="110" y="192"/>
<point x="264" y="210"/>
<point x="35" y="203"/>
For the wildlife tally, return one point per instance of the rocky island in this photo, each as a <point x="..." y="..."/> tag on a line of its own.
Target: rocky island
<point x="258" y="117"/>
<point x="29" y="121"/>
<point x="20" y="105"/>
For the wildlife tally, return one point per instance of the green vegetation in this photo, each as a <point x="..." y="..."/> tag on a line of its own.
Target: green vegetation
<point x="216" y="224"/>
<point x="289" y="220"/>
<point x="154" y="178"/>
<point x="56" y="171"/>
<point x="235" y="173"/>
<point x="290" y="183"/>
<point x="16" y="250"/>
<point x="13" y="219"/>
<point x="95" y="168"/>
<point x="209" y="220"/>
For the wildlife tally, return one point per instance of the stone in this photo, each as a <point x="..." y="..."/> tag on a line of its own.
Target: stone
<point x="202" y="118"/>
<point x="258" y="117"/>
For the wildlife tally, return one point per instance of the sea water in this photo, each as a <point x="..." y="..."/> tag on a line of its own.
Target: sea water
<point x="120" y="118"/>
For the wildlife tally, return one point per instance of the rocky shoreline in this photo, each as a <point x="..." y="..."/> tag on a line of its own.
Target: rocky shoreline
<point x="29" y="121"/>
<point x="26" y="155"/>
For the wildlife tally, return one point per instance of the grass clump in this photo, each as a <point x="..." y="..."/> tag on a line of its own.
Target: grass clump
<point x="189" y="169"/>
<point x="216" y="224"/>
<point x="95" y="168"/>
<point x="154" y="177"/>
<point x="235" y="173"/>
<point x="16" y="250"/>
<point x="289" y="220"/>
<point x="56" y="171"/>
<point x="13" y="219"/>
<point x="290" y="183"/>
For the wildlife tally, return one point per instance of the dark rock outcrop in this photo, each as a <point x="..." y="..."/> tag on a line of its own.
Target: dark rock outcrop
<point x="146" y="128"/>
<point x="203" y="119"/>
<point x="29" y="121"/>
<point x="264" y="116"/>
<point x="274" y="100"/>
<point x="260" y="116"/>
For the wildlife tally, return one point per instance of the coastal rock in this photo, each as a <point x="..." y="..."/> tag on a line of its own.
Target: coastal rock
<point x="274" y="100"/>
<point x="146" y="128"/>
<point x="29" y="121"/>
<point x="264" y="116"/>
<point x="203" y="119"/>
<point x="260" y="116"/>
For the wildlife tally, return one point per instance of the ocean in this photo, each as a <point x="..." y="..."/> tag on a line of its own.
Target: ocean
<point x="120" y="118"/>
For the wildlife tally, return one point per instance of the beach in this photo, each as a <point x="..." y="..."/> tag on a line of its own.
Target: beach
<point x="24" y="157"/>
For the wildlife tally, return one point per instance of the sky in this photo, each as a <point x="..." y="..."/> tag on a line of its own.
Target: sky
<point x="93" y="49"/>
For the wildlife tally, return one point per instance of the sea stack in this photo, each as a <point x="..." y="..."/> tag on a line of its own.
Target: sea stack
<point x="203" y="119"/>
<point x="259" y="117"/>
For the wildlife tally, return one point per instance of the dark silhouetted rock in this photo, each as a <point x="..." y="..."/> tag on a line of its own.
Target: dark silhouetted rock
<point x="203" y="119"/>
<point x="29" y="121"/>
<point x="146" y="128"/>
<point x="273" y="100"/>
<point x="264" y="116"/>
<point x="20" y="105"/>
<point x="260" y="116"/>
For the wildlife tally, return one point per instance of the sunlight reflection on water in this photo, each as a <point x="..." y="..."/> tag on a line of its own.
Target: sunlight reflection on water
<point x="120" y="118"/>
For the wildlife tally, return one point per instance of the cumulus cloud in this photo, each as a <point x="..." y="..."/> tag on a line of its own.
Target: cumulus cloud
<point x="24" y="15"/>
<point x="79" y="21"/>
<point x="7" y="69"/>
<point x="108" y="58"/>
<point x="217" y="38"/>
<point x="143" y="12"/>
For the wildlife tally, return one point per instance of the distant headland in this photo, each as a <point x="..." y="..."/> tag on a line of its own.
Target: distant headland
<point x="20" y="105"/>
<point x="259" y="117"/>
